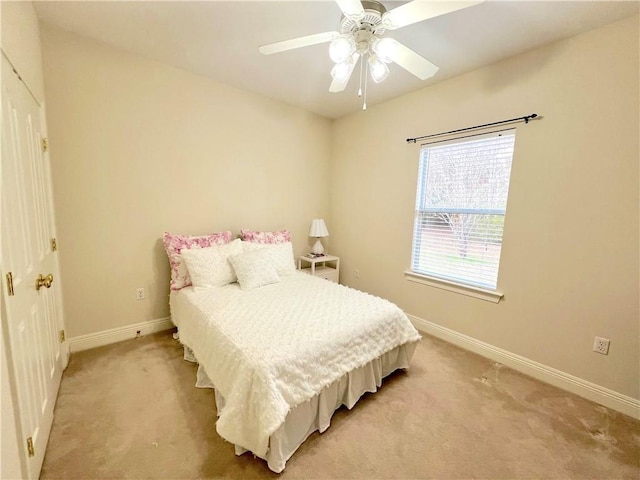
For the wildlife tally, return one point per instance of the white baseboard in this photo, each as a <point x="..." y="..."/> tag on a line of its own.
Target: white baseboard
<point x="596" y="393"/>
<point x="98" y="339"/>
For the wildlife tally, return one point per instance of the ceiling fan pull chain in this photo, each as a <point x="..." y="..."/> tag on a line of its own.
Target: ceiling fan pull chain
<point x="360" y="85"/>
<point x="366" y="81"/>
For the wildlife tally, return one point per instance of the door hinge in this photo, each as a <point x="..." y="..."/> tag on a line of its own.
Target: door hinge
<point x="30" y="448"/>
<point x="10" y="284"/>
<point x="54" y="245"/>
<point x="61" y="335"/>
<point x="45" y="144"/>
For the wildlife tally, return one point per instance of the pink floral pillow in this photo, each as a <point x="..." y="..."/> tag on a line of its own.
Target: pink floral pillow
<point x="255" y="236"/>
<point x="173" y="244"/>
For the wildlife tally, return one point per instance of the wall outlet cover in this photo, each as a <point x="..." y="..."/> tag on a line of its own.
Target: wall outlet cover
<point x="601" y="345"/>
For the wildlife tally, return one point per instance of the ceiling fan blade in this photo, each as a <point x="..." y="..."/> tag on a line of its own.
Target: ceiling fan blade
<point x="351" y="8"/>
<point x="299" y="42"/>
<point x="411" y="61"/>
<point x="338" y="86"/>
<point x="419" y="10"/>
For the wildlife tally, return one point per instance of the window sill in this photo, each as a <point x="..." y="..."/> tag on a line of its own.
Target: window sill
<point x="475" y="292"/>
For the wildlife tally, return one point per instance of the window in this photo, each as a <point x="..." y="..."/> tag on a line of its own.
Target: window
<point x="461" y="203"/>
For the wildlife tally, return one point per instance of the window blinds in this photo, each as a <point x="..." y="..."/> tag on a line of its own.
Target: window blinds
<point x="461" y="203"/>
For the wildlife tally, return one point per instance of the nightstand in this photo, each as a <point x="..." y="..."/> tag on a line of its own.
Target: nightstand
<point x="327" y="267"/>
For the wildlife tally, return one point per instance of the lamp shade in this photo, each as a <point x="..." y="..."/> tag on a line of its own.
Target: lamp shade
<point x="318" y="228"/>
<point x="379" y="70"/>
<point x="385" y="48"/>
<point x="341" y="49"/>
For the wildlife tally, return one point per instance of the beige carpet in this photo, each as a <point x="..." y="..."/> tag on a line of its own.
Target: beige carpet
<point x="130" y="410"/>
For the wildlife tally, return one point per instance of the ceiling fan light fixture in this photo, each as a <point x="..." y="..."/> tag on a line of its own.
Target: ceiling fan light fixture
<point x="379" y="70"/>
<point x="341" y="49"/>
<point x="341" y="71"/>
<point x="384" y="49"/>
<point x="360" y="38"/>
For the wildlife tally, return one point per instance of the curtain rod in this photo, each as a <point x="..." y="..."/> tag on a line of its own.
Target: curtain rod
<point x="524" y="119"/>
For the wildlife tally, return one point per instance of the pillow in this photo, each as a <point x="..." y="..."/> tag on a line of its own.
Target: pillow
<point x="281" y="255"/>
<point x="282" y="258"/>
<point x="254" y="269"/>
<point x="174" y="244"/>
<point x="209" y="266"/>
<point x="255" y="236"/>
<point x="252" y="247"/>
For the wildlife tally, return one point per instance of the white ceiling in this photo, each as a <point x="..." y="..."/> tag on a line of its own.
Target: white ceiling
<point x="220" y="39"/>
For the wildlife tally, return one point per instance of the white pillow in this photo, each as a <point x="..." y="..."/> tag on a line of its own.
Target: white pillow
<point x="254" y="269"/>
<point x="252" y="247"/>
<point x="282" y="258"/>
<point x="210" y="267"/>
<point x="281" y="255"/>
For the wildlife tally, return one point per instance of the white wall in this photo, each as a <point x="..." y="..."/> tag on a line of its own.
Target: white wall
<point x="139" y="147"/>
<point x="569" y="267"/>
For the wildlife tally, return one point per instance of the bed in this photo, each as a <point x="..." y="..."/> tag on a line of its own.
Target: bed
<point x="282" y="356"/>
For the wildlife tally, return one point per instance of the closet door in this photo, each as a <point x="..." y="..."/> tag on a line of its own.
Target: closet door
<point x="29" y="265"/>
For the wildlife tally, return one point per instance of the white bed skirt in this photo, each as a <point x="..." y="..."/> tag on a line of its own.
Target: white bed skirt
<point x="315" y="414"/>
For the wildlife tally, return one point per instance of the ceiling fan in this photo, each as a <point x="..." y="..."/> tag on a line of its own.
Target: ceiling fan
<point x="362" y="27"/>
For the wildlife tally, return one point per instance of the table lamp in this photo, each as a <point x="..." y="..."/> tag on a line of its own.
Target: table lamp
<point x="318" y="230"/>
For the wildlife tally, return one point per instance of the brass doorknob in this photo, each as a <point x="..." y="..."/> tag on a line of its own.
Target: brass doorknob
<point x="43" y="281"/>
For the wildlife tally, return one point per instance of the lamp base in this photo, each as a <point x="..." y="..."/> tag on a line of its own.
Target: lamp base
<point x="318" y="249"/>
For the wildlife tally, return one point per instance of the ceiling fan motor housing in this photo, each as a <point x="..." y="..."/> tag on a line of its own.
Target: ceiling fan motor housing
<point x="371" y="20"/>
<point x="363" y="39"/>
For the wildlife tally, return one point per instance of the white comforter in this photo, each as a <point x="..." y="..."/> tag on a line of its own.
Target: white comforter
<point x="272" y="348"/>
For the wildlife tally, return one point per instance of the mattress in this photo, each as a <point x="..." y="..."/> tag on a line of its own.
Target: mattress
<point x="270" y="350"/>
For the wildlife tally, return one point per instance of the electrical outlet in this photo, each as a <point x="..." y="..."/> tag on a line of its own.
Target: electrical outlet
<point x="140" y="294"/>
<point x="357" y="273"/>
<point x="601" y="345"/>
